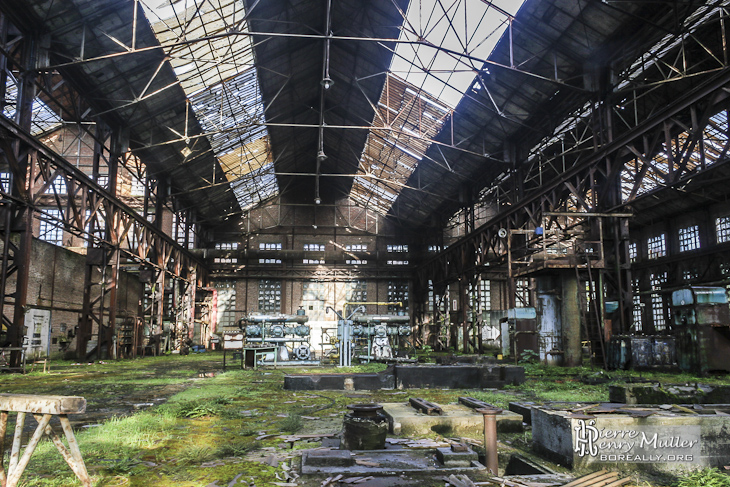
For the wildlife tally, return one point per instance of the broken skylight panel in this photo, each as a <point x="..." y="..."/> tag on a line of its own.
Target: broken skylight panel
<point x="212" y="52"/>
<point x="232" y="116"/>
<point x="655" y="174"/>
<point x="43" y="119"/>
<point x="670" y="41"/>
<point x="715" y="137"/>
<point x="215" y="67"/>
<point x="469" y="30"/>
<point x="255" y="187"/>
<point x="404" y="125"/>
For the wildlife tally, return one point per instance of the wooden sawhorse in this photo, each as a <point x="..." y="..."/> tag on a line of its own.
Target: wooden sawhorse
<point x="43" y="408"/>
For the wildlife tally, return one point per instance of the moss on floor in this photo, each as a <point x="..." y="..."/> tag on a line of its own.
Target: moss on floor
<point x="183" y="421"/>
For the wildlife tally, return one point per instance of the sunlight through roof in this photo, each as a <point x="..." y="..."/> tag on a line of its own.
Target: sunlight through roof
<point x="218" y="76"/>
<point x="459" y="26"/>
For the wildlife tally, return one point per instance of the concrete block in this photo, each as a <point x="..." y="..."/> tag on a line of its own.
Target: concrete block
<point x="412" y="377"/>
<point x="669" y="394"/>
<point x="524" y="409"/>
<point x="456" y="420"/>
<point x="329" y="458"/>
<point x="385" y="463"/>
<point x="556" y="435"/>
<point x="372" y="382"/>
<point x="451" y="458"/>
<point x="454" y="376"/>
<point x="513" y="374"/>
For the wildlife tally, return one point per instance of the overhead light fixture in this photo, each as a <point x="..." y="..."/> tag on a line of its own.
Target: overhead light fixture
<point x="327" y="83"/>
<point x="317" y="201"/>
<point x="321" y="156"/>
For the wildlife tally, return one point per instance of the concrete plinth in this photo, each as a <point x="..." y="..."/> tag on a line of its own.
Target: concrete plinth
<point x="457" y="420"/>
<point x="669" y="394"/>
<point x="450" y="458"/>
<point x="524" y="409"/>
<point x="330" y="458"/>
<point x="382" y="463"/>
<point x="660" y="442"/>
<point x="413" y="377"/>
<point x="339" y="382"/>
<point x="458" y="376"/>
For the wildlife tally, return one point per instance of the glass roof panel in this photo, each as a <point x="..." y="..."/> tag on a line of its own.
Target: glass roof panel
<point x="460" y="28"/>
<point x="216" y="71"/>
<point x="427" y="79"/>
<point x="43" y="119"/>
<point x="406" y="121"/>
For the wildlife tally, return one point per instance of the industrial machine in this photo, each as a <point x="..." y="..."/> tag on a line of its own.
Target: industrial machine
<point x="289" y="332"/>
<point x="369" y="337"/>
<point x="701" y="326"/>
<point x="377" y="336"/>
<point x="641" y="352"/>
<point x="697" y="341"/>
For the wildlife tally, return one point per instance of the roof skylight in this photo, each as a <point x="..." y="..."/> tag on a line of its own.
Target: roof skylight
<point x="43" y="119"/>
<point x="217" y="74"/>
<point x="405" y="123"/>
<point x="467" y="29"/>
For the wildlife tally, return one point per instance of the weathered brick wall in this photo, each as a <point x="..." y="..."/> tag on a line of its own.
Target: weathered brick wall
<point x="57" y="282"/>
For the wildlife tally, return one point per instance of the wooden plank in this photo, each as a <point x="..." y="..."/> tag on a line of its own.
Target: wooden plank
<point x="618" y="482"/>
<point x="604" y="481"/>
<point x="598" y="481"/>
<point x="585" y="477"/>
<point x="39" y="404"/>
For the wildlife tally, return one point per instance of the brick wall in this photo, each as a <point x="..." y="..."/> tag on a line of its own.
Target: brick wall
<point x="56" y="283"/>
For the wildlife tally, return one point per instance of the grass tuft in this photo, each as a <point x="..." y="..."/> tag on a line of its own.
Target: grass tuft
<point x="292" y="423"/>
<point x="196" y="408"/>
<point x="238" y="448"/>
<point x="709" y="477"/>
<point x="194" y="454"/>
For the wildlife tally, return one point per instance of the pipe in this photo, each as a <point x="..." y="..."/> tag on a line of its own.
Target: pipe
<point x="381" y="319"/>
<point x="579" y="214"/>
<point x="259" y="318"/>
<point x="490" y="438"/>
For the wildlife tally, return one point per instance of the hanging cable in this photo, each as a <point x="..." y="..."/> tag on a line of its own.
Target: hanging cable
<point x="325" y="84"/>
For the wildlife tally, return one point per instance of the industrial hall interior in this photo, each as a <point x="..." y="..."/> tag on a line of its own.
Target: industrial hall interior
<point x="323" y="243"/>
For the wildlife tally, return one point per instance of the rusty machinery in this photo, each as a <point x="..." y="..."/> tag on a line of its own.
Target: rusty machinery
<point x="701" y="327"/>
<point x="289" y="332"/>
<point x="698" y="339"/>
